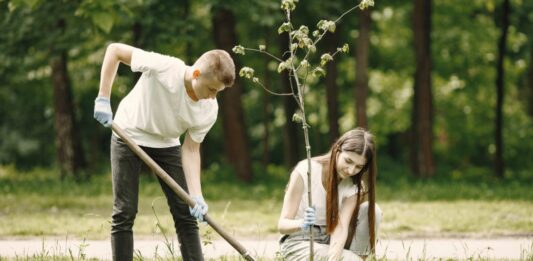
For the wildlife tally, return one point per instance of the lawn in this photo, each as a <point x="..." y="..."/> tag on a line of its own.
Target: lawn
<point x="37" y="204"/>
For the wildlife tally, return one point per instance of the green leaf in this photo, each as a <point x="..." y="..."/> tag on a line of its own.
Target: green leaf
<point x="247" y="72"/>
<point x="239" y="49"/>
<point x="325" y="58"/>
<point x="285" y="27"/>
<point x="296" y="117"/>
<point x="103" y="21"/>
<point x="365" y="4"/>
<point x="288" y="5"/>
<point x="318" y="72"/>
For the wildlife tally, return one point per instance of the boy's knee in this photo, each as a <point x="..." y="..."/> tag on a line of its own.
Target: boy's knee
<point x="123" y="220"/>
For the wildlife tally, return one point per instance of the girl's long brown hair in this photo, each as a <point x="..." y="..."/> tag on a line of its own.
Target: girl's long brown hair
<point x="361" y="142"/>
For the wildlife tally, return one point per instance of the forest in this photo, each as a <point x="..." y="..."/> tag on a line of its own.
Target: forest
<point x="445" y="86"/>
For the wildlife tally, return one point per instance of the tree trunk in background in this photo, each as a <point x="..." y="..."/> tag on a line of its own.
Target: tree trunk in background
<point x="530" y="80"/>
<point x="139" y="43"/>
<point x="235" y="137"/>
<point x="332" y="89"/>
<point x="69" y="154"/>
<point x="502" y="45"/>
<point x="422" y="161"/>
<point x="186" y="16"/>
<point x="266" y="108"/>
<point x="290" y="130"/>
<point x="361" y="70"/>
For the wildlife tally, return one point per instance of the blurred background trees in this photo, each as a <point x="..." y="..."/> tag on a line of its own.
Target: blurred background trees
<point x="446" y="86"/>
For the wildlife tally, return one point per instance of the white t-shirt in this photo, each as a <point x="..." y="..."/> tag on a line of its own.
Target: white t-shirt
<point x="318" y="192"/>
<point x="158" y="110"/>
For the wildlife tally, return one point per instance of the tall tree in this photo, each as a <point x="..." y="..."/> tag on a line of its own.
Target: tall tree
<point x="502" y="47"/>
<point x="361" y="70"/>
<point x="68" y="148"/>
<point x="290" y="130"/>
<point x="235" y="136"/>
<point x="267" y="108"/>
<point x="332" y="88"/>
<point x="530" y="79"/>
<point x="422" y="162"/>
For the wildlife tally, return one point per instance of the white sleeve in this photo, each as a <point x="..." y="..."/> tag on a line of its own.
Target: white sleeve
<point x="199" y="132"/>
<point x="142" y="61"/>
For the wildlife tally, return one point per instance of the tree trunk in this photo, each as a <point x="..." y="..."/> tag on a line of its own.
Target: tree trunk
<point x="290" y="130"/>
<point x="266" y="110"/>
<point x="139" y="43"/>
<point x="68" y="148"/>
<point x="361" y="70"/>
<point x="235" y="137"/>
<point x="499" y="161"/>
<point x="187" y="17"/>
<point x="530" y="80"/>
<point x="422" y="154"/>
<point x="332" y="89"/>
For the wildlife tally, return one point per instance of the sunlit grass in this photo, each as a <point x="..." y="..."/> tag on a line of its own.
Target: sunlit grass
<point x="37" y="203"/>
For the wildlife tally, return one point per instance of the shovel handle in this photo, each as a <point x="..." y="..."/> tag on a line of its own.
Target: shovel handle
<point x="178" y="190"/>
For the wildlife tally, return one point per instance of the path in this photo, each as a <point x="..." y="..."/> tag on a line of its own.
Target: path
<point x="400" y="249"/>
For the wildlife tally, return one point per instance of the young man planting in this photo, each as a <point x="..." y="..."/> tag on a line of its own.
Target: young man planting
<point x="169" y="99"/>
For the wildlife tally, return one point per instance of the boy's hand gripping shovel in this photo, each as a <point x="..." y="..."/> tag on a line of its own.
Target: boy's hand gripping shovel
<point x="178" y="190"/>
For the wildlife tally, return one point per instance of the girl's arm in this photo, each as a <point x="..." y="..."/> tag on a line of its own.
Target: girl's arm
<point x="287" y="224"/>
<point x="338" y="237"/>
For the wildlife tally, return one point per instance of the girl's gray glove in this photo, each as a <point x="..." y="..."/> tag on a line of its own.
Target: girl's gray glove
<point x="309" y="218"/>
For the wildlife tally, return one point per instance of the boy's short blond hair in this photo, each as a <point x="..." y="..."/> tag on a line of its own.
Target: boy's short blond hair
<point x="218" y="64"/>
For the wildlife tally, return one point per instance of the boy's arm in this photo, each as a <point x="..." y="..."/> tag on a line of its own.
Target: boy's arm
<point x="114" y="55"/>
<point x="190" y="159"/>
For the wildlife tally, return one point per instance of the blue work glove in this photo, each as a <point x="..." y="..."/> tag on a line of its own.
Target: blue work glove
<point x="102" y="111"/>
<point x="309" y="219"/>
<point x="200" y="209"/>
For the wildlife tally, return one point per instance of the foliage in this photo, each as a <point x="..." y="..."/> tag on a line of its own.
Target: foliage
<point x="464" y="41"/>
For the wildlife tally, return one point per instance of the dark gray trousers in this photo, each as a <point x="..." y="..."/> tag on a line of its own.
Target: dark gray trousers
<point x="125" y="168"/>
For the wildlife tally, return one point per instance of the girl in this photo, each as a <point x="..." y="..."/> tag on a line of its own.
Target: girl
<point x="344" y="227"/>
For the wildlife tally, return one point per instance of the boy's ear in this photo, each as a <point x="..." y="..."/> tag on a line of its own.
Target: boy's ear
<point x="195" y="73"/>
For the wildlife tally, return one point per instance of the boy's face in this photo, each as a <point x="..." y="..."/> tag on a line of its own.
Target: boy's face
<point x="206" y="87"/>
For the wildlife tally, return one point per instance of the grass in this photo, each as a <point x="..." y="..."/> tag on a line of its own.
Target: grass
<point x="36" y="204"/>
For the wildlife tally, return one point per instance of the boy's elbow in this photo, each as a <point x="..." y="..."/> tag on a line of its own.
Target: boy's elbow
<point x="112" y="48"/>
<point x="120" y="52"/>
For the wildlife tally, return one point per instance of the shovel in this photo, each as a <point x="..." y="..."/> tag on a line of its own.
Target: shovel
<point x="178" y="190"/>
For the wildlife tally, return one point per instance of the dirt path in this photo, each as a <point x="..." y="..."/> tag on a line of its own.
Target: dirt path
<point x="457" y="248"/>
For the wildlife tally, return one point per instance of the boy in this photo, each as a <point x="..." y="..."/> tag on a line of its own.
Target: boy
<point x="169" y="99"/>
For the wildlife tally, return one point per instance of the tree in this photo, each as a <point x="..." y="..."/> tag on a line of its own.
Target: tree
<point x="301" y="47"/>
<point x="235" y="137"/>
<point x="361" y="70"/>
<point x="290" y="131"/>
<point x="502" y="47"/>
<point x="332" y="88"/>
<point x="68" y="148"/>
<point x="422" y="163"/>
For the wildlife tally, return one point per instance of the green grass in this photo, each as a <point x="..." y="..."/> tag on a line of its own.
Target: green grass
<point x="37" y="203"/>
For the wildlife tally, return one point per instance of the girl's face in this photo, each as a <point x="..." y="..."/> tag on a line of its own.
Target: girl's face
<point x="349" y="164"/>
